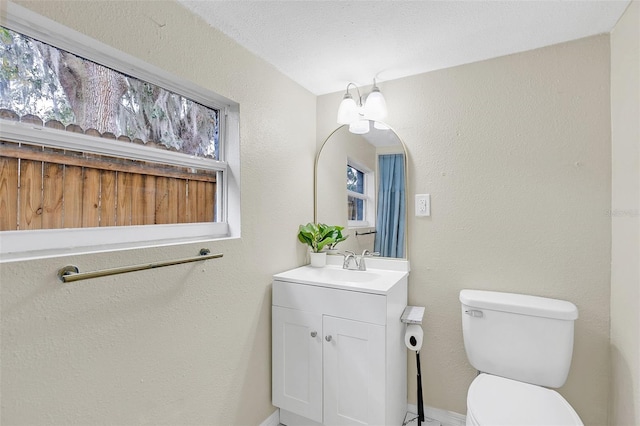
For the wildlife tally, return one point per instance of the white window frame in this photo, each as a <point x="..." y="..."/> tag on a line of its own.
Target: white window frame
<point x="29" y="244"/>
<point x="368" y="196"/>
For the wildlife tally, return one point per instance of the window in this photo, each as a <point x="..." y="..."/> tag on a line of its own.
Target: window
<point x="153" y="158"/>
<point x="355" y="194"/>
<point x="360" y="200"/>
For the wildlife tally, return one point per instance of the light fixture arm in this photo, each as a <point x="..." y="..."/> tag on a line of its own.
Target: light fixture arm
<point x="357" y="90"/>
<point x="375" y="86"/>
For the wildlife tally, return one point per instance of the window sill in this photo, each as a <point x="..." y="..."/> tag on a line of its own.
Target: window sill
<point x="357" y="224"/>
<point x="30" y="245"/>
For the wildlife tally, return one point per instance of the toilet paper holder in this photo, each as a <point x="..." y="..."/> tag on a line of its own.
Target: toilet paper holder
<point x="412" y="315"/>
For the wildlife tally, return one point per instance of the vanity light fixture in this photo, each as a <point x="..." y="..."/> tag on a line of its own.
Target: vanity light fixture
<point x="357" y="114"/>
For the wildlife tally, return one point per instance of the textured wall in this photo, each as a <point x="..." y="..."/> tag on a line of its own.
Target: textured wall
<point x="625" y="219"/>
<point x="189" y="344"/>
<point x="516" y="155"/>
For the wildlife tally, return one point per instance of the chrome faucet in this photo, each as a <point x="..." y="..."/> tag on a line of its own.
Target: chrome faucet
<point x="361" y="264"/>
<point x="348" y="257"/>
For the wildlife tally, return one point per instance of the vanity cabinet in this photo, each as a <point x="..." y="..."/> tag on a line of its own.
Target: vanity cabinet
<point x="338" y="352"/>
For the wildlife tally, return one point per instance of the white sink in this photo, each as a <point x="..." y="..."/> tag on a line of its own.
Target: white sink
<point x="347" y="275"/>
<point x="371" y="281"/>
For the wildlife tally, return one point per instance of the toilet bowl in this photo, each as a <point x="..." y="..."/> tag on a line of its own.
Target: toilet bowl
<point x="497" y="401"/>
<point x="521" y="345"/>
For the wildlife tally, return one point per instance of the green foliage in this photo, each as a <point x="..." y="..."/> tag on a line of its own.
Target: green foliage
<point x="337" y="236"/>
<point x="5" y="36"/>
<point x="27" y="84"/>
<point x="39" y="79"/>
<point x="318" y="235"/>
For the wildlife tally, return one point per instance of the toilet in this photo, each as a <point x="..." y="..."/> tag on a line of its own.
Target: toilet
<point x="521" y="346"/>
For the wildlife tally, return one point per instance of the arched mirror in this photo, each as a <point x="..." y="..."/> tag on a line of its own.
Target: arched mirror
<point x="360" y="184"/>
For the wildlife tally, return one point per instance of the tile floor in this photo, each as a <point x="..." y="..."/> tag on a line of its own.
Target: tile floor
<point x="411" y="419"/>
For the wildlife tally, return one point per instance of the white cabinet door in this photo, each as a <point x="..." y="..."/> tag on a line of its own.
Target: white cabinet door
<point x="354" y="372"/>
<point x="297" y="362"/>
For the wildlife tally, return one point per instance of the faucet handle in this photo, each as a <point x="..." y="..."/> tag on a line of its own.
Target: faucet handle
<point x="348" y="255"/>
<point x="362" y="266"/>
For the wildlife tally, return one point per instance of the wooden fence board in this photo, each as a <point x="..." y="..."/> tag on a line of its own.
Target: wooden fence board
<point x="30" y="205"/>
<point x="91" y="198"/>
<point x="123" y="206"/>
<point x="162" y="200"/>
<point x="148" y="201"/>
<point x="137" y="198"/>
<point x="52" y="196"/>
<point x="72" y="194"/>
<point x="209" y="197"/>
<point x="108" y="201"/>
<point x="173" y="201"/>
<point x="190" y="205"/>
<point x="8" y="194"/>
<point x="137" y="195"/>
<point x="200" y="196"/>
<point x="182" y="201"/>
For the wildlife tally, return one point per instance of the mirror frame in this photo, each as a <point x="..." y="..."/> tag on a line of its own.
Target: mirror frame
<point x="406" y="183"/>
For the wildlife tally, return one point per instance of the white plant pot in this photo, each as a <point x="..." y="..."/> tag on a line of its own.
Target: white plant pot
<point x="318" y="260"/>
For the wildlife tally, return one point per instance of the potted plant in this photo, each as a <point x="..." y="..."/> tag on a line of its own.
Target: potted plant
<point x="317" y="236"/>
<point x="338" y="237"/>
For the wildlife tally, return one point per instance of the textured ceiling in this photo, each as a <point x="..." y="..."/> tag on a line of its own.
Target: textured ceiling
<point x="323" y="45"/>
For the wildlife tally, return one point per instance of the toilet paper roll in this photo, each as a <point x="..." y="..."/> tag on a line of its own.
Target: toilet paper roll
<point x="413" y="337"/>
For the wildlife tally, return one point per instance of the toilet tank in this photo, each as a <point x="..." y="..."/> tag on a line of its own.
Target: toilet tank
<point x="517" y="336"/>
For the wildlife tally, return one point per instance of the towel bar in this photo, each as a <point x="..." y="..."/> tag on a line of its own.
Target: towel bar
<point x="71" y="273"/>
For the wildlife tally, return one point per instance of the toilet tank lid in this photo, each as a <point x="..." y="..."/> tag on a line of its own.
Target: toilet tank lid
<point x="520" y="304"/>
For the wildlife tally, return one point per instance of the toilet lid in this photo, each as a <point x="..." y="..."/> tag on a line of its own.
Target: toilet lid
<point x="496" y="401"/>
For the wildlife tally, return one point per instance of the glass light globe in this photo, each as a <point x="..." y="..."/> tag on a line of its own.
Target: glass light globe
<point x="375" y="108"/>
<point x="380" y="125"/>
<point x="359" y="127"/>
<point x="348" y="110"/>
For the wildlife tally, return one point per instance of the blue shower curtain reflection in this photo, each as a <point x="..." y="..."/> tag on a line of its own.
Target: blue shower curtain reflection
<point x="390" y="223"/>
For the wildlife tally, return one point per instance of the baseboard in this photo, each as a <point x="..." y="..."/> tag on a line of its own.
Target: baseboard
<point x="273" y="419"/>
<point x="446" y="418"/>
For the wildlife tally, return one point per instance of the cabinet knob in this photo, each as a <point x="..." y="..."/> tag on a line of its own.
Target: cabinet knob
<point x="328" y="338"/>
<point x="314" y="333"/>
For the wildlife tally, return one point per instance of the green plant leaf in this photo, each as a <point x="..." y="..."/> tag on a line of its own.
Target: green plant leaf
<point x="320" y="235"/>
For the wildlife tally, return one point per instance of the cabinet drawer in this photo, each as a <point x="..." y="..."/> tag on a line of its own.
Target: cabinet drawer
<point x="366" y="307"/>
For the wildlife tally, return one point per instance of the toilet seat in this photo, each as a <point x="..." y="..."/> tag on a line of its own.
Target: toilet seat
<point x="497" y="401"/>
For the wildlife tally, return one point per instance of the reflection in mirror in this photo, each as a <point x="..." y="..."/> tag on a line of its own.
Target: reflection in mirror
<point x="360" y="184"/>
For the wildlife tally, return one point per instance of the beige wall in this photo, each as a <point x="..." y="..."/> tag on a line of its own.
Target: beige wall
<point x="625" y="219"/>
<point x="516" y="155"/>
<point x="189" y="344"/>
<point x="514" y="151"/>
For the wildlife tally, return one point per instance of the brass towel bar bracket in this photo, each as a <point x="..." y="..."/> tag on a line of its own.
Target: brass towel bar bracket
<point x="71" y="273"/>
